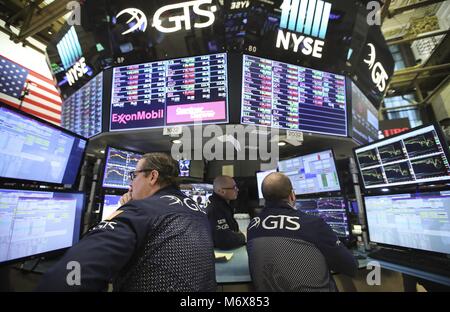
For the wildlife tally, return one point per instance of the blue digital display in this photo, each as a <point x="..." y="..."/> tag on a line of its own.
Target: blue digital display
<point x="419" y="221"/>
<point x="36" y="151"/>
<point x="313" y="173"/>
<point x="280" y="95"/>
<point x="110" y="204"/>
<point x="36" y="222"/>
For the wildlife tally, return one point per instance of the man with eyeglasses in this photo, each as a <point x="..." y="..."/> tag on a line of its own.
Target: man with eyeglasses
<point x="158" y="240"/>
<point x="225" y="229"/>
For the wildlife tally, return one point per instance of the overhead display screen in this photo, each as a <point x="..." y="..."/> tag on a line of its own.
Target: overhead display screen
<point x="313" y="173"/>
<point x="291" y="97"/>
<point x="168" y="93"/>
<point x="36" y="151"/>
<point x="365" y="123"/>
<point x="418" y="156"/>
<point x="82" y="111"/>
<point x="118" y="165"/>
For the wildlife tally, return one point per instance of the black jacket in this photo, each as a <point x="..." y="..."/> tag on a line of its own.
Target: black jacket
<point x="160" y="243"/>
<point x="225" y="229"/>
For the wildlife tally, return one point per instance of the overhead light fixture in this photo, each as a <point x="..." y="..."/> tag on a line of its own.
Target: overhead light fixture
<point x="281" y="143"/>
<point x="176" y="141"/>
<point x="102" y="152"/>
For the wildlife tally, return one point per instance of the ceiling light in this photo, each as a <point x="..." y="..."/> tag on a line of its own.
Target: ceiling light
<point x="176" y="141"/>
<point x="281" y="143"/>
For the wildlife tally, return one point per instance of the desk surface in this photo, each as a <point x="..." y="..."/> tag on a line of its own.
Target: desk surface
<point x="236" y="270"/>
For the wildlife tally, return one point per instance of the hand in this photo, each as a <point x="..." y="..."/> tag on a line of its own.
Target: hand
<point x="125" y="198"/>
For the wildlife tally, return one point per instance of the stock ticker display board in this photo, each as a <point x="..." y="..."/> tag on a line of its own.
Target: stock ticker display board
<point x="418" y="156"/>
<point x="291" y="97"/>
<point x="168" y="93"/>
<point x="82" y="111"/>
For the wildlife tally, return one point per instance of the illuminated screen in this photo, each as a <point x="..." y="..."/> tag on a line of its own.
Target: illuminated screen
<point x="291" y="97"/>
<point x="260" y="178"/>
<point x="185" y="167"/>
<point x="82" y="111"/>
<point x="35" y="222"/>
<point x="313" y="173"/>
<point x="417" y="156"/>
<point x="331" y="209"/>
<point x="168" y="93"/>
<point x="199" y="192"/>
<point x="118" y="165"/>
<point x="110" y="204"/>
<point x="364" y="118"/>
<point x="419" y="221"/>
<point x="37" y="151"/>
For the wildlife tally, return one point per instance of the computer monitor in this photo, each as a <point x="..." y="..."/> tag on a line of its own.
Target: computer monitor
<point x="34" y="150"/>
<point x="182" y="91"/>
<point x="82" y="111"/>
<point x="185" y="167"/>
<point x="260" y="178"/>
<point x="417" y="156"/>
<point x="37" y="222"/>
<point x="119" y="163"/>
<point x="413" y="221"/>
<point x="312" y="173"/>
<point x="365" y="123"/>
<point x="199" y="192"/>
<point x="110" y="204"/>
<point x="333" y="210"/>
<point x="291" y="97"/>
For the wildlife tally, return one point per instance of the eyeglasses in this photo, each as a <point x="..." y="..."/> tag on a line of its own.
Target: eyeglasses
<point x="133" y="174"/>
<point x="231" y="188"/>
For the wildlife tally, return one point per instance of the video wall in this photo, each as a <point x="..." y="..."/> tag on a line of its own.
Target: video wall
<point x="167" y="93"/>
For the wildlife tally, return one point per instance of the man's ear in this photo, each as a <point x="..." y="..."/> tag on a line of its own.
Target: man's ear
<point x="154" y="175"/>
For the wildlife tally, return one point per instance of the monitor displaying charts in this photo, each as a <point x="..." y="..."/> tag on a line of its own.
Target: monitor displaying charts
<point x="417" y="156"/>
<point x="118" y="165"/>
<point x="365" y="123"/>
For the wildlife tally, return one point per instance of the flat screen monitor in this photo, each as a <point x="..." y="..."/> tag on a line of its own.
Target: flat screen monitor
<point x="312" y="173"/>
<point x="284" y="96"/>
<point x="199" y="192"/>
<point x="417" y="221"/>
<point x="167" y="93"/>
<point x="185" y="167"/>
<point x="37" y="222"/>
<point x="365" y="123"/>
<point x="331" y="209"/>
<point x="110" y="204"/>
<point x="260" y="178"/>
<point x="119" y="163"/>
<point x="82" y="111"/>
<point x="418" y="156"/>
<point x="34" y="150"/>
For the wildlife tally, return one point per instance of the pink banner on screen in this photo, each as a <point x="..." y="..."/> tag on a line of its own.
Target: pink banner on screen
<point x="196" y="112"/>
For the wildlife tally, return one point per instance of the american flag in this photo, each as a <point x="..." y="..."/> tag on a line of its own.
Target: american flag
<point x="43" y="99"/>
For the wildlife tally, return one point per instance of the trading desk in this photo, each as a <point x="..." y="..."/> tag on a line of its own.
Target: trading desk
<point x="236" y="269"/>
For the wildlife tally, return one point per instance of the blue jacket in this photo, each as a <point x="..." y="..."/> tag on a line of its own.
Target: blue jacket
<point x="160" y="243"/>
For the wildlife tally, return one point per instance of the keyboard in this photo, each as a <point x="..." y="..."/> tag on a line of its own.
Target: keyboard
<point x="413" y="260"/>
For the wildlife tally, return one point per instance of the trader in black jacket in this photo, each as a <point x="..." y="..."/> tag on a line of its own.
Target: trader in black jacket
<point x="289" y="250"/>
<point x="226" y="234"/>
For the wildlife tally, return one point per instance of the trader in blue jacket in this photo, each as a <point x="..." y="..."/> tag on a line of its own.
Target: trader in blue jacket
<point x="158" y="241"/>
<point x="225" y="229"/>
<point x="289" y="250"/>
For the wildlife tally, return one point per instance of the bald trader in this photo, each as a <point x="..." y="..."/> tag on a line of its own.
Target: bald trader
<point x="225" y="229"/>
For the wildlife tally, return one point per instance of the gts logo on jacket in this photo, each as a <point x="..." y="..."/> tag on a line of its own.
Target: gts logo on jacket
<point x="278" y="222"/>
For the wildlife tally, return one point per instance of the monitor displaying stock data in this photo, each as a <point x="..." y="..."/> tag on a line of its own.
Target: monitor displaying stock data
<point x="82" y="111"/>
<point x="312" y="173"/>
<point x="199" y="192"/>
<point x="280" y="95"/>
<point x="33" y="150"/>
<point x="417" y="156"/>
<point x="365" y="123"/>
<point x="419" y="221"/>
<point x="331" y="209"/>
<point x="183" y="91"/>
<point x="119" y="163"/>
<point x="37" y="222"/>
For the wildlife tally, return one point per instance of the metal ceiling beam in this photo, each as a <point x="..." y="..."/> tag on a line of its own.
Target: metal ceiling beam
<point x="385" y="10"/>
<point x="412" y="7"/>
<point x="419" y="70"/>
<point x="44" y="19"/>
<point x="400" y="40"/>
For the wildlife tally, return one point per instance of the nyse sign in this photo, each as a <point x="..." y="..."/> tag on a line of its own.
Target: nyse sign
<point x="77" y="71"/>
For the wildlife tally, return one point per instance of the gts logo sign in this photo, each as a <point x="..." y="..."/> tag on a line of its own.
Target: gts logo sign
<point x="276" y="223"/>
